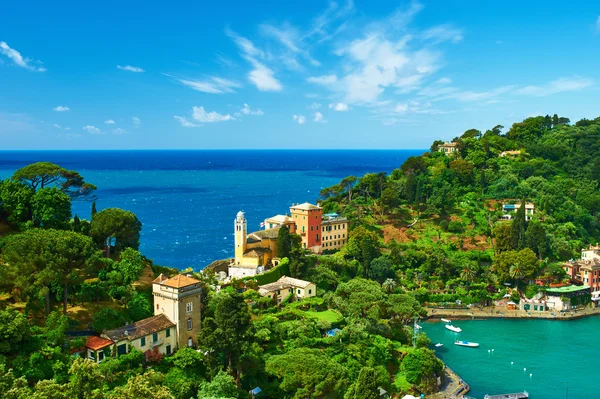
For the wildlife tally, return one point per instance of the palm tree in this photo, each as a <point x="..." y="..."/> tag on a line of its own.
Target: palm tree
<point x="516" y="272"/>
<point x="389" y="285"/>
<point x="468" y="273"/>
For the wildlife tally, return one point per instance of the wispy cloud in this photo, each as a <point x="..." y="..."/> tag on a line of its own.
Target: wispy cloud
<point x="557" y="86"/>
<point x="119" y="131"/>
<point x="443" y="33"/>
<point x="92" y="129"/>
<point x="264" y="78"/>
<point x="340" y="107"/>
<point x="185" y="122"/>
<point x="325" y="80"/>
<point x="61" y="108"/>
<point x="300" y="119"/>
<point x="130" y="68"/>
<point x="319" y="118"/>
<point x="211" y="84"/>
<point x="18" y="59"/>
<point x="201" y="115"/>
<point x="598" y="25"/>
<point x="136" y="121"/>
<point x="109" y="122"/>
<point x="56" y="125"/>
<point x="247" y="111"/>
<point x="315" y="106"/>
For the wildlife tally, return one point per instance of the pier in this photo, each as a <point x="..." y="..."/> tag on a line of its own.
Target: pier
<point x="518" y="395"/>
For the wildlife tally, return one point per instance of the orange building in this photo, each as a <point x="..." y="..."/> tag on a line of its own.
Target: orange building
<point x="308" y="219"/>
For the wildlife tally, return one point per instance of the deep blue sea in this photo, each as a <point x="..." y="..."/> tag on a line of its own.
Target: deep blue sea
<point x="187" y="200"/>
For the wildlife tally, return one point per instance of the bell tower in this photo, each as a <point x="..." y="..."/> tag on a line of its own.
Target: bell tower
<point x="240" y="227"/>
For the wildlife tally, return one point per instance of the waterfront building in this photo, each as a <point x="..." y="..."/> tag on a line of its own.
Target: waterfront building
<point x="285" y="286"/>
<point x="510" y="209"/>
<point x="308" y="219"/>
<point x="586" y="270"/>
<point x="448" y="148"/>
<point x="564" y="298"/>
<point x="334" y="231"/>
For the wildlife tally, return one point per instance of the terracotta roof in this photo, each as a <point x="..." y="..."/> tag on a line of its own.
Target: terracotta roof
<point x="279" y="219"/>
<point x="268" y="233"/>
<point x="97" y="343"/>
<point x="447" y="144"/>
<point x="295" y="282"/>
<point x="181" y="280"/>
<point x="140" y="328"/>
<point x="256" y="252"/>
<point x="305" y="207"/>
<point x="277" y="285"/>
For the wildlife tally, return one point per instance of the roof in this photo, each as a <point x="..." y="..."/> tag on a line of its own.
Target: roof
<point x="97" y="343"/>
<point x="305" y="207"/>
<point x="256" y="252"/>
<point x="294" y="282"/>
<point x="140" y="328"/>
<point x="267" y="233"/>
<point x="334" y="220"/>
<point x="447" y="144"/>
<point x="179" y="281"/>
<point x="279" y="219"/>
<point x="276" y="286"/>
<point x="567" y="289"/>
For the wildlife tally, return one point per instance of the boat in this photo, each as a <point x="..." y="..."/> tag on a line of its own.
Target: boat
<point x="418" y="327"/>
<point x="453" y="328"/>
<point x="438" y="345"/>
<point x="466" y="343"/>
<point x="446" y="320"/>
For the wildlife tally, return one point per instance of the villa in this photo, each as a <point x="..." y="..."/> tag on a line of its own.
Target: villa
<point x="509" y="153"/>
<point x="510" y="209"/>
<point x="448" y="148"/>
<point x="288" y="286"/>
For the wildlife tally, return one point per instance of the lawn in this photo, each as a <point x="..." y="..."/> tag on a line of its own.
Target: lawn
<point x="331" y="316"/>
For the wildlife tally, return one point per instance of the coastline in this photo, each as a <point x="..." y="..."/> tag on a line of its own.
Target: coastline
<point x="493" y="313"/>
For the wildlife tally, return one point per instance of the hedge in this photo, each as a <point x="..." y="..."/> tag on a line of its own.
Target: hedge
<point x="282" y="269"/>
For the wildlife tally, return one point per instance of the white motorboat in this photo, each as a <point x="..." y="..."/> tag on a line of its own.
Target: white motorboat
<point x="418" y="327"/>
<point x="438" y="345"/>
<point x="453" y="328"/>
<point x="467" y="344"/>
<point x="446" y="320"/>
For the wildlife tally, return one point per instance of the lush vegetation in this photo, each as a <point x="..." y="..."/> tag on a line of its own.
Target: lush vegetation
<point x="428" y="233"/>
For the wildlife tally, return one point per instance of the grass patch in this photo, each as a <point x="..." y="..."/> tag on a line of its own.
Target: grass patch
<point x="331" y="316"/>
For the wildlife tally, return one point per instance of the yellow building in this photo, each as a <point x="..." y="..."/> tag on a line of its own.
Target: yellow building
<point x="335" y="232"/>
<point x="178" y="298"/>
<point x="156" y="332"/>
<point x="253" y="252"/>
<point x="448" y="148"/>
<point x="288" y="286"/>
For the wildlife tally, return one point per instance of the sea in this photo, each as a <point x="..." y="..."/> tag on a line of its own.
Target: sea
<point x="550" y="359"/>
<point x="187" y="199"/>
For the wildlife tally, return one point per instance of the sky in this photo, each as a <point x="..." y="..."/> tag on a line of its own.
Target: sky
<point x="288" y="74"/>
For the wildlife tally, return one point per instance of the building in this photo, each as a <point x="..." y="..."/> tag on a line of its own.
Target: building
<point x="153" y="333"/>
<point x="179" y="298"/>
<point x="334" y="231"/>
<point x="254" y="252"/>
<point x="586" y="270"/>
<point x="448" y="148"/>
<point x="308" y="219"/>
<point x="564" y="298"/>
<point x="97" y="348"/>
<point x="510" y="153"/>
<point x="278" y="221"/>
<point x="510" y="209"/>
<point x="285" y="286"/>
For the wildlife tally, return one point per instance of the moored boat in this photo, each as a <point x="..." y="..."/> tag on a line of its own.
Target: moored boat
<point x="446" y="320"/>
<point x="418" y="327"/>
<point x="453" y="328"/>
<point x="438" y="345"/>
<point x="467" y="344"/>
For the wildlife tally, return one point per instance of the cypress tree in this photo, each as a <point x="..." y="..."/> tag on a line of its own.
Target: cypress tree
<point x="93" y="209"/>
<point x="366" y="386"/>
<point x="519" y="228"/>
<point x="76" y="224"/>
<point x="284" y="243"/>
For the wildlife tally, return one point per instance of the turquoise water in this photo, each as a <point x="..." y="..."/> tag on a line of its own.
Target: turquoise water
<point x="558" y="354"/>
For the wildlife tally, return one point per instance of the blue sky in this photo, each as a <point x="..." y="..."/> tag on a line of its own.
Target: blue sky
<point x="274" y="74"/>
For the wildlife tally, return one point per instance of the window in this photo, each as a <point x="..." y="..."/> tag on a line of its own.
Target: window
<point x="278" y="292"/>
<point x="157" y="306"/>
<point x="168" y="332"/>
<point x="303" y="229"/>
<point x="190" y="342"/>
<point x="168" y="349"/>
<point x="312" y="228"/>
<point x="100" y="356"/>
<point x="190" y="323"/>
<point x="143" y="343"/>
<point x="309" y="292"/>
<point x="317" y="237"/>
<point x="298" y="291"/>
<point x="188" y="307"/>
<point x="154" y="337"/>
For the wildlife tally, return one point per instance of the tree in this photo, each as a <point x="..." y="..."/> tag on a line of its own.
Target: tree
<point x="107" y="319"/>
<point x="381" y="269"/>
<point x="147" y="386"/>
<point x="15" y="202"/>
<point x="467" y="273"/>
<point x="221" y="386"/>
<point x="366" y="385"/>
<point x="51" y="208"/>
<point x="358" y="298"/>
<point x="389" y="286"/>
<point x="516" y="272"/>
<point x="347" y="185"/>
<point x="284" y="242"/>
<point x="85" y="380"/>
<point x="421" y="368"/>
<point x="519" y="228"/>
<point x="14" y="331"/>
<point x="114" y="223"/>
<point x="46" y="174"/>
<point x="139" y="307"/>
<point x="131" y="265"/>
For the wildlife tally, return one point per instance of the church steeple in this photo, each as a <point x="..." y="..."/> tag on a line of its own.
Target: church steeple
<point x="240" y="227"/>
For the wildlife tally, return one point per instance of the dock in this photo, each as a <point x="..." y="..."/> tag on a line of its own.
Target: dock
<point x="518" y="395"/>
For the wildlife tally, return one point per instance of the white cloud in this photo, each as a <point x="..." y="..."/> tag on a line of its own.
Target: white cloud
<point x="247" y="111"/>
<point x="200" y="114"/>
<point x="401" y="108"/>
<point x="56" y="126"/>
<point x="300" y="119"/>
<point x="557" y="86"/>
<point x="92" y="129"/>
<point x="444" y="81"/>
<point x="136" y="121"/>
<point x="211" y="85"/>
<point x="340" y="107"/>
<point x="130" y="68"/>
<point x="318" y="117"/>
<point x="61" y="108"/>
<point x="109" y="122"/>
<point x="315" y="106"/>
<point x="324" y="80"/>
<point x="443" y="33"/>
<point x="185" y="122"/>
<point x="18" y="59"/>
<point x="263" y="78"/>
<point x="598" y="25"/>
<point x="119" y="131"/>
